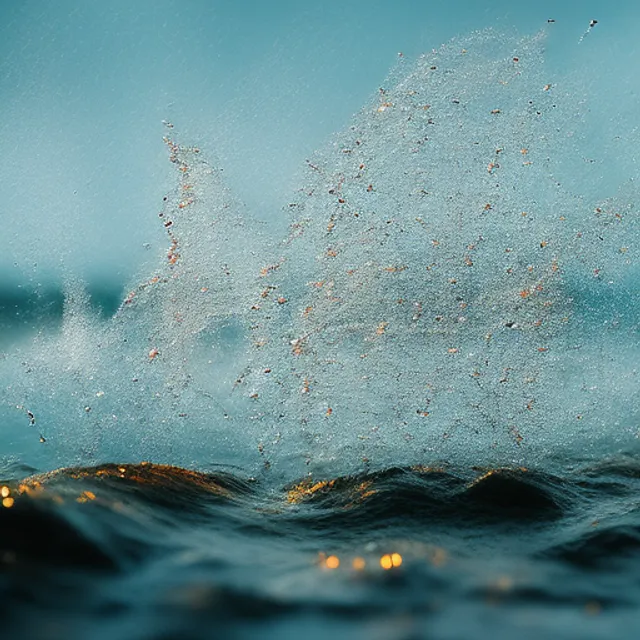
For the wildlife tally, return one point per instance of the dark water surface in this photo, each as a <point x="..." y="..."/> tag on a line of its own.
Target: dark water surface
<point x="158" y="552"/>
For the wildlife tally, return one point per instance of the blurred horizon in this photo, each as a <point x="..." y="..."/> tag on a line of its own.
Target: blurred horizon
<point x="85" y="87"/>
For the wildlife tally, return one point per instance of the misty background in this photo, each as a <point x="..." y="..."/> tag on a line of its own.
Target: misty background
<point x="85" y="85"/>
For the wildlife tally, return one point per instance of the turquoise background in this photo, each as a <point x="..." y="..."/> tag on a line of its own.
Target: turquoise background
<point x="85" y="84"/>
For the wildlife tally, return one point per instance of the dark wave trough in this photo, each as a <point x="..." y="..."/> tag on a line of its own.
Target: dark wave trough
<point x="153" y="551"/>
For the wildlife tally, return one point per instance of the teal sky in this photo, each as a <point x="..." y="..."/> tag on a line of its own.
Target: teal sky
<point x="85" y="84"/>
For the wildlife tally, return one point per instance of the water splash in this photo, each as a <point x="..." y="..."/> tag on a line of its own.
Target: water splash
<point x="450" y="289"/>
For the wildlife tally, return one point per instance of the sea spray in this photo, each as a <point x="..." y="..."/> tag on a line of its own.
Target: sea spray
<point x="451" y="289"/>
<point x="430" y="286"/>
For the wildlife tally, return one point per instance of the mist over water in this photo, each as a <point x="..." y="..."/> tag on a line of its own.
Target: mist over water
<point x="262" y="379"/>
<point x="458" y="283"/>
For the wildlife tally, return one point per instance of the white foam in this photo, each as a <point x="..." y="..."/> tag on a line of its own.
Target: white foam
<point x="448" y="291"/>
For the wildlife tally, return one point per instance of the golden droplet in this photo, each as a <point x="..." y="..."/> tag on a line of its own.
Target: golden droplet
<point x="503" y="583"/>
<point x="438" y="556"/>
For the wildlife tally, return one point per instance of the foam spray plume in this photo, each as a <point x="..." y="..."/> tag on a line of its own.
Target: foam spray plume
<point x="447" y="291"/>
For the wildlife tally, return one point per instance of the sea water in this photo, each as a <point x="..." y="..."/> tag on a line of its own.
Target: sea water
<point x="414" y="414"/>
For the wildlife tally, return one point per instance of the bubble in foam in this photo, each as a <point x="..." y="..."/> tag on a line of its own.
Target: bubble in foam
<point x="447" y="291"/>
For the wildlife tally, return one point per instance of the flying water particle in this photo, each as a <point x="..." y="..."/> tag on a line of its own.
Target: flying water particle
<point x="447" y="290"/>
<point x="592" y="24"/>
